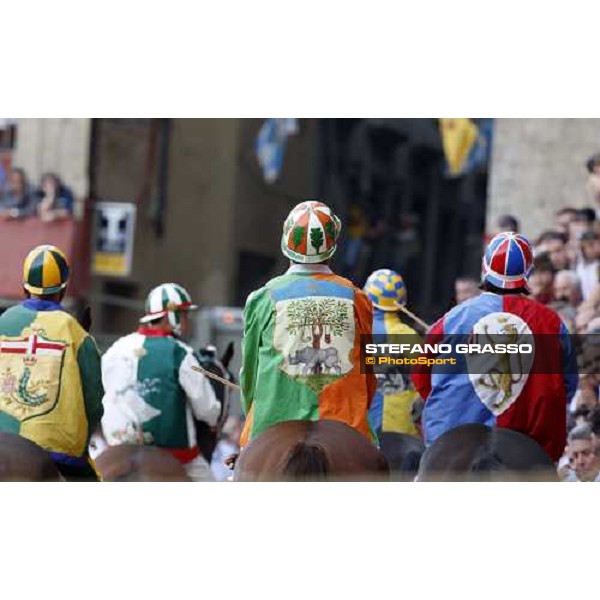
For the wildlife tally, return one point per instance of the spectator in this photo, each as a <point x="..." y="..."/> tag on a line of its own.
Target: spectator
<point x="588" y="263"/>
<point x="585" y="314"/>
<point x="594" y="420"/>
<point x="567" y="296"/>
<point x="563" y="218"/>
<point x="593" y="182"/>
<point x="466" y="288"/>
<point x="554" y="244"/>
<point x="581" y="416"/>
<point x="507" y="223"/>
<point x="583" y="460"/>
<point x="541" y="281"/>
<point x="56" y="201"/>
<point x="582" y="223"/>
<point x="17" y="201"/>
<point x="566" y="288"/>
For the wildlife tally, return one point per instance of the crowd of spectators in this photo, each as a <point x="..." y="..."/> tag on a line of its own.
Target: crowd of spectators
<point x="50" y="200"/>
<point x="566" y="278"/>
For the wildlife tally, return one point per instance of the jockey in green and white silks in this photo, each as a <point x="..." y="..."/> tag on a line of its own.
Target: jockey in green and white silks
<point x="153" y="392"/>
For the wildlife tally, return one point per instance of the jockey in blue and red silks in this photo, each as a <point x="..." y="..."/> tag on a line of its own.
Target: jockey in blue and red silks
<point x="533" y="402"/>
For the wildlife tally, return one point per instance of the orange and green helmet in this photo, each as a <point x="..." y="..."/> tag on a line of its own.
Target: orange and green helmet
<point x="45" y="271"/>
<point x="386" y="290"/>
<point x="310" y="233"/>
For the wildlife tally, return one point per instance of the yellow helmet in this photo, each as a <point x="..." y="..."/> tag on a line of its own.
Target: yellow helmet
<point x="45" y="271"/>
<point x="386" y="290"/>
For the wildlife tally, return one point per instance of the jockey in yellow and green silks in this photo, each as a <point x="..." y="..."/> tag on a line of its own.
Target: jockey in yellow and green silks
<point x="50" y="379"/>
<point x="392" y="403"/>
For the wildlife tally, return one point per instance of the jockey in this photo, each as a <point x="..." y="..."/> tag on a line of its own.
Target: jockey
<point x="301" y="346"/>
<point x="392" y="403"/>
<point x="153" y="392"/>
<point x="533" y="400"/>
<point x="50" y="380"/>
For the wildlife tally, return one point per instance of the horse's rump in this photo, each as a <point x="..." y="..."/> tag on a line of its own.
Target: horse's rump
<point x="23" y="460"/>
<point x="474" y="452"/>
<point x="129" y="462"/>
<point x="310" y="451"/>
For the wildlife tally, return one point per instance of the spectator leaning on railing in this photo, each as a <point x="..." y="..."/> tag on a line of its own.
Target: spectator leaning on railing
<point x="55" y="200"/>
<point x="50" y="202"/>
<point x="17" y="201"/>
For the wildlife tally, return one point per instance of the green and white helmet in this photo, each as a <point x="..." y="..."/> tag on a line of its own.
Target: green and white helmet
<point x="168" y="299"/>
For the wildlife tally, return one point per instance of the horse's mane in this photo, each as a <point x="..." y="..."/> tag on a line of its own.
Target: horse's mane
<point x="307" y="461"/>
<point x="486" y="460"/>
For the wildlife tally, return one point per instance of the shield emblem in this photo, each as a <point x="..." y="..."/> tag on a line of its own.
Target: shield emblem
<point x="498" y="380"/>
<point x="30" y="375"/>
<point x="315" y="335"/>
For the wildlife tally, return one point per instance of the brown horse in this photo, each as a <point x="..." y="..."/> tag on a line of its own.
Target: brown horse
<point x="311" y="451"/>
<point x="23" y="460"/>
<point x="474" y="452"/>
<point x="128" y="462"/>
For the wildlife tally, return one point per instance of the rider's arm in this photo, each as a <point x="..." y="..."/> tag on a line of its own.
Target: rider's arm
<point x="364" y="317"/>
<point x="199" y="392"/>
<point x="88" y="359"/>
<point x="421" y="375"/>
<point x="570" y="374"/>
<point x="253" y="313"/>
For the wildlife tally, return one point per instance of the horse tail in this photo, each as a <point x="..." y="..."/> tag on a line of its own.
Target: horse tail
<point x="307" y="462"/>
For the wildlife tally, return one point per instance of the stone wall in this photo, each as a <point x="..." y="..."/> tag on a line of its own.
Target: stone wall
<point x="538" y="166"/>
<point x="58" y="145"/>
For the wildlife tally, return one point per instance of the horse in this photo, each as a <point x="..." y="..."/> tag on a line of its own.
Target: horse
<point x="475" y="452"/>
<point x="403" y="453"/>
<point x="322" y="450"/>
<point x="207" y="437"/>
<point x="130" y="462"/>
<point x="23" y="460"/>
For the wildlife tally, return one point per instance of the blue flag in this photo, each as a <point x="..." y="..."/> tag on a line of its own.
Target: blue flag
<point x="270" y="145"/>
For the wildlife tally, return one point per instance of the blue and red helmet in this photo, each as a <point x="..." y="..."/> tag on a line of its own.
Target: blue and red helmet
<point x="508" y="261"/>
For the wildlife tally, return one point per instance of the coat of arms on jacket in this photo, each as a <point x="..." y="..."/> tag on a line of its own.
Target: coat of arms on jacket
<point x="500" y="378"/>
<point x="30" y="372"/>
<point x="316" y="337"/>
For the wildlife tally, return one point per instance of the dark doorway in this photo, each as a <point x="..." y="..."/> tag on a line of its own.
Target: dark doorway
<point x="387" y="180"/>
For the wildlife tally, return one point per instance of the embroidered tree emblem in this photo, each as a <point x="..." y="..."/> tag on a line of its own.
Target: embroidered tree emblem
<point x="311" y="318"/>
<point x="297" y="236"/>
<point x="330" y="231"/>
<point x="316" y="238"/>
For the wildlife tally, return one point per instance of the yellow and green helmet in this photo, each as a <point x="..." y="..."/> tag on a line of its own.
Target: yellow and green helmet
<point x="386" y="290"/>
<point x="45" y="271"/>
<point x="168" y="299"/>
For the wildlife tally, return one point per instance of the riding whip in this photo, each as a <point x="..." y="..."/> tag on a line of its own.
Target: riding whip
<point x="414" y="317"/>
<point x="233" y="386"/>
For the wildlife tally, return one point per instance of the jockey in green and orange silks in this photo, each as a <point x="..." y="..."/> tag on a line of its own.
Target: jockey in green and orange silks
<point x="301" y="347"/>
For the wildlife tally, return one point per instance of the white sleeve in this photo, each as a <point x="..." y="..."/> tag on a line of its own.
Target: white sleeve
<point x="201" y="396"/>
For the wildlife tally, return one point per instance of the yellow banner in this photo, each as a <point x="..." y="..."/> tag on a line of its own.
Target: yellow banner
<point x="108" y="263"/>
<point x="458" y="138"/>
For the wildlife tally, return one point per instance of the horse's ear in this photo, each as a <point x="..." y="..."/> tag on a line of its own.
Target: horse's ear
<point x="85" y="318"/>
<point x="227" y="355"/>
